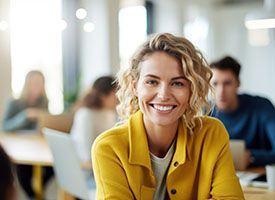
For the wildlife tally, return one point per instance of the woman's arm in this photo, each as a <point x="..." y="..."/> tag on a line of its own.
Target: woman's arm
<point x="15" y="118"/>
<point x="225" y="183"/>
<point x="111" y="180"/>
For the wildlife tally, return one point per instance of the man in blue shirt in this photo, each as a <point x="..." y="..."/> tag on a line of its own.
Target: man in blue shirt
<point x="246" y="117"/>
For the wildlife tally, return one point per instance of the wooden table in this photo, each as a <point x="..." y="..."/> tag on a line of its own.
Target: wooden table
<point x="29" y="149"/>
<point x="257" y="193"/>
<point x="253" y="193"/>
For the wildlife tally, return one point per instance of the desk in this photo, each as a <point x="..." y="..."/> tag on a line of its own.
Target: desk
<point x="254" y="193"/>
<point x="29" y="149"/>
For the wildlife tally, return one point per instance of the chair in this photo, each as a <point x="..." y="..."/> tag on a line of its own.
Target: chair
<point x="67" y="165"/>
<point x="62" y="122"/>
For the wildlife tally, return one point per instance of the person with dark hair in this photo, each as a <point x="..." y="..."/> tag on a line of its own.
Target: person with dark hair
<point x="7" y="180"/>
<point x="246" y="117"/>
<point x="23" y="114"/>
<point x="96" y="113"/>
<point x="167" y="148"/>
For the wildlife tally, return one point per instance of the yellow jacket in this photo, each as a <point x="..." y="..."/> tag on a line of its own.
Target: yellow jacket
<point x="201" y="167"/>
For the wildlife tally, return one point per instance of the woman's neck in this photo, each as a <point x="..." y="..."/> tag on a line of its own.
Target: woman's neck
<point x="160" y="138"/>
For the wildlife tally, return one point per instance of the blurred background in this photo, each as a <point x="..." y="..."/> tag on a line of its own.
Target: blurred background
<point x="75" y="41"/>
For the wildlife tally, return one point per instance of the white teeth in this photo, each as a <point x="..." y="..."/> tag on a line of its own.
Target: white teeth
<point x="163" y="108"/>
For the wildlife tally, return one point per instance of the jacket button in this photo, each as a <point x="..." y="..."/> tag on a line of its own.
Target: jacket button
<point x="173" y="191"/>
<point x="176" y="163"/>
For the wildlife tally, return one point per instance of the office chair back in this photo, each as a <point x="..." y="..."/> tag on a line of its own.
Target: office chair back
<point x="67" y="165"/>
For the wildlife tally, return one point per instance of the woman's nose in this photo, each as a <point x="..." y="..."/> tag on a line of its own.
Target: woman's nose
<point x="163" y="92"/>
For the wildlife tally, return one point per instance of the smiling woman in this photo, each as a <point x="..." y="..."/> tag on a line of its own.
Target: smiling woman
<point x="167" y="149"/>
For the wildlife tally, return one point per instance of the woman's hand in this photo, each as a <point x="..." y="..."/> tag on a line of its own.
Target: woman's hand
<point x="33" y="113"/>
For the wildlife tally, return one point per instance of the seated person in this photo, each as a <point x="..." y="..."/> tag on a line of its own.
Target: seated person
<point x="7" y="180"/>
<point x="246" y="117"/>
<point x="23" y="114"/>
<point x="166" y="149"/>
<point x="95" y="114"/>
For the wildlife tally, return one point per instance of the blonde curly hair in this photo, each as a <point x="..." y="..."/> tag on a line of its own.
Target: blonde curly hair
<point x="196" y="70"/>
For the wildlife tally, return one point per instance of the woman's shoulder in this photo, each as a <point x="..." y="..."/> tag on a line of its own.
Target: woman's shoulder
<point x="209" y="121"/>
<point x="13" y="100"/>
<point x="15" y="104"/>
<point x="210" y="126"/>
<point x="114" y="137"/>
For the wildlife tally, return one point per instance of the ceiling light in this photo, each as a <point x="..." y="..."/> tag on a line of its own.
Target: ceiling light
<point x="81" y="13"/>
<point x="262" y="19"/>
<point x="89" y="27"/>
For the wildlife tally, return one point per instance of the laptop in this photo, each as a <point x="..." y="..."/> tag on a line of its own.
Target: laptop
<point x="238" y="152"/>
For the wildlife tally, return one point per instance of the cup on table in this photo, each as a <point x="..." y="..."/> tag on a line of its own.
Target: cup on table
<point x="270" y="176"/>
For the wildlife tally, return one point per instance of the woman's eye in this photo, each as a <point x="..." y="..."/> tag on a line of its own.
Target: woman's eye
<point x="177" y="84"/>
<point x="151" y="82"/>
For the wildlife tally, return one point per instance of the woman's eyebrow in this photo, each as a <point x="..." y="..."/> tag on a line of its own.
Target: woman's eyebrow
<point x="179" y="77"/>
<point x="152" y="76"/>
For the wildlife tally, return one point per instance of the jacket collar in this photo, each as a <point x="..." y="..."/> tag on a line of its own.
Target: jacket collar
<point x="138" y="144"/>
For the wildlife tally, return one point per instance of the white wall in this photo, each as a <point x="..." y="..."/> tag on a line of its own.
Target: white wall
<point x="227" y="36"/>
<point x="230" y="37"/>
<point x="168" y="16"/>
<point x="99" y="49"/>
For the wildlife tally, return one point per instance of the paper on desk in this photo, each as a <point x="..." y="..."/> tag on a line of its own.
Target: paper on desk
<point x="246" y="179"/>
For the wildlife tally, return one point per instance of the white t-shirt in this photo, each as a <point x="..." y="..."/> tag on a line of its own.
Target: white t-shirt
<point x="160" y="167"/>
<point x="87" y="125"/>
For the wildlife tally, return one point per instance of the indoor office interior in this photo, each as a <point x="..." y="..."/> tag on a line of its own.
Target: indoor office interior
<point x="74" y="42"/>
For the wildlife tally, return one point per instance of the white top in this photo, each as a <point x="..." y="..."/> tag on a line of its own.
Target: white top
<point x="160" y="167"/>
<point x="87" y="125"/>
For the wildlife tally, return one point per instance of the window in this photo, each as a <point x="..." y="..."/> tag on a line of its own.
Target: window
<point x="132" y="31"/>
<point x="36" y="44"/>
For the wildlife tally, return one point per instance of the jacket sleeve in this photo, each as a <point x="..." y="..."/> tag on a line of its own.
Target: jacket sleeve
<point x="225" y="184"/>
<point x="11" y="121"/>
<point x="110" y="177"/>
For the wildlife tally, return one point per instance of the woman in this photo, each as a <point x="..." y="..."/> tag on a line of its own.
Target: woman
<point x="96" y="114"/>
<point x="23" y="114"/>
<point x="166" y="150"/>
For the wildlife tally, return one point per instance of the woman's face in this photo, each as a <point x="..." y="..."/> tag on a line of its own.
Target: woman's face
<point x="162" y="89"/>
<point x="36" y="86"/>
<point x="110" y="101"/>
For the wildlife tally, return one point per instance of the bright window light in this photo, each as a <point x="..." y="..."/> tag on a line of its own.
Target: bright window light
<point x="63" y="24"/>
<point x="197" y="31"/>
<point x="36" y="44"/>
<point x="132" y="31"/>
<point x="3" y="25"/>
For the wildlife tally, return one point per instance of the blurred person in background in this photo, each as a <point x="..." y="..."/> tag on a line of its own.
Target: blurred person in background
<point x="167" y="149"/>
<point x="95" y="114"/>
<point x="246" y="117"/>
<point x="7" y="179"/>
<point x="23" y="114"/>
